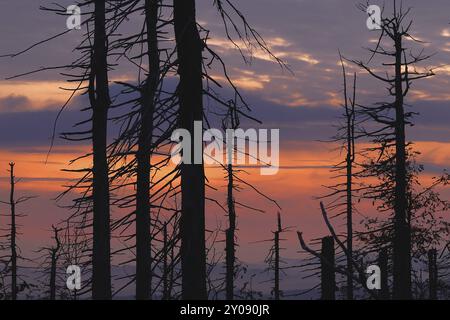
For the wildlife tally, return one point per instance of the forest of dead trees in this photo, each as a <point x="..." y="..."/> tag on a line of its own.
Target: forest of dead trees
<point x="161" y="228"/>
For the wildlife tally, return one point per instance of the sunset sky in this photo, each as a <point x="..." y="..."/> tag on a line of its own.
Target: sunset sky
<point x="304" y="104"/>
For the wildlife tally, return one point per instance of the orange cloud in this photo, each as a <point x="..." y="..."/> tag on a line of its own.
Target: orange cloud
<point x="37" y="93"/>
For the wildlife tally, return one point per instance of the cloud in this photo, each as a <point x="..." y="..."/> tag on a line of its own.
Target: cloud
<point x="32" y="128"/>
<point x="33" y="95"/>
<point x="14" y="103"/>
<point x="445" y="33"/>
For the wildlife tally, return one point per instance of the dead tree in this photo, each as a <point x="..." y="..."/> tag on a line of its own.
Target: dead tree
<point x="13" y="256"/>
<point x="54" y="255"/>
<point x="50" y="264"/>
<point x="340" y="195"/>
<point x="277" y="233"/>
<point x="402" y="236"/>
<point x="357" y="264"/>
<point x="432" y="274"/>
<point x="13" y="233"/>
<point x="230" y="122"/>
<point x="190" y="92"/>
<point x="230" y="248"/>
<point x="143" y="219"/>
<point x="100" y="102"/>
<point x="51" y="256"/>
<point x="349" y="160"/>
<point x="273" y="258"/>
<point x="393" y="161"/>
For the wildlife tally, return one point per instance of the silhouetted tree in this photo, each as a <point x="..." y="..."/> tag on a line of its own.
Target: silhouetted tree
<point x="274" y="260"/>
<point x="50" y="263"/>
<point x="230" y="122"/>
<point x="13" y="233"/>
<point x="276" y="289"/>
<point x="341" y="193"/>
<point x="393" y="159"/>
<point x="13" y="254"/>
<point x="54" y="262"/>
<point x="100" y="102"/>
<point x="358" y="264"/>
<point x="143" y="219"/>
<point x="190" y="91"/>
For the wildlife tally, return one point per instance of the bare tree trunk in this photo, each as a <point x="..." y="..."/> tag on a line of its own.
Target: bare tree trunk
<point x="402" y="229"/>
<point x="328" y="278"/>
<point x="349" y="230"/>
<point x="143" y="218"/>
<point x="276" y="288"/>
<point x="349" y="222"/>
<point x="350" y="159"/>
<point x="100" y="102"/>
<point x="12" y="203"/>
<point x="393" y="167"/>
<point x="190" y="90"/>
<point x="230" y="237"/>
<point x="53" y="264"/>
<point x="432" y="273"/>
<point x="383" y="264"/>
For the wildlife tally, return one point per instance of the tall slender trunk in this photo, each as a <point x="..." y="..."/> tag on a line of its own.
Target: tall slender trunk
<point x="143" y="218"/>
<point x="101" y="255"/>
<point x="349" y="224"/>
<point x="402" y="230"/>
<point x="277" y="259"/>
<point x="12" y="203"/>
<point x="190" y="91"/>
<point x="350" y="115"/>
<point x="230" y="236"/>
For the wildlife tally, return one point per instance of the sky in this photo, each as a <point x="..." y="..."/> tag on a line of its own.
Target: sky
<point x="304" y="103"/>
